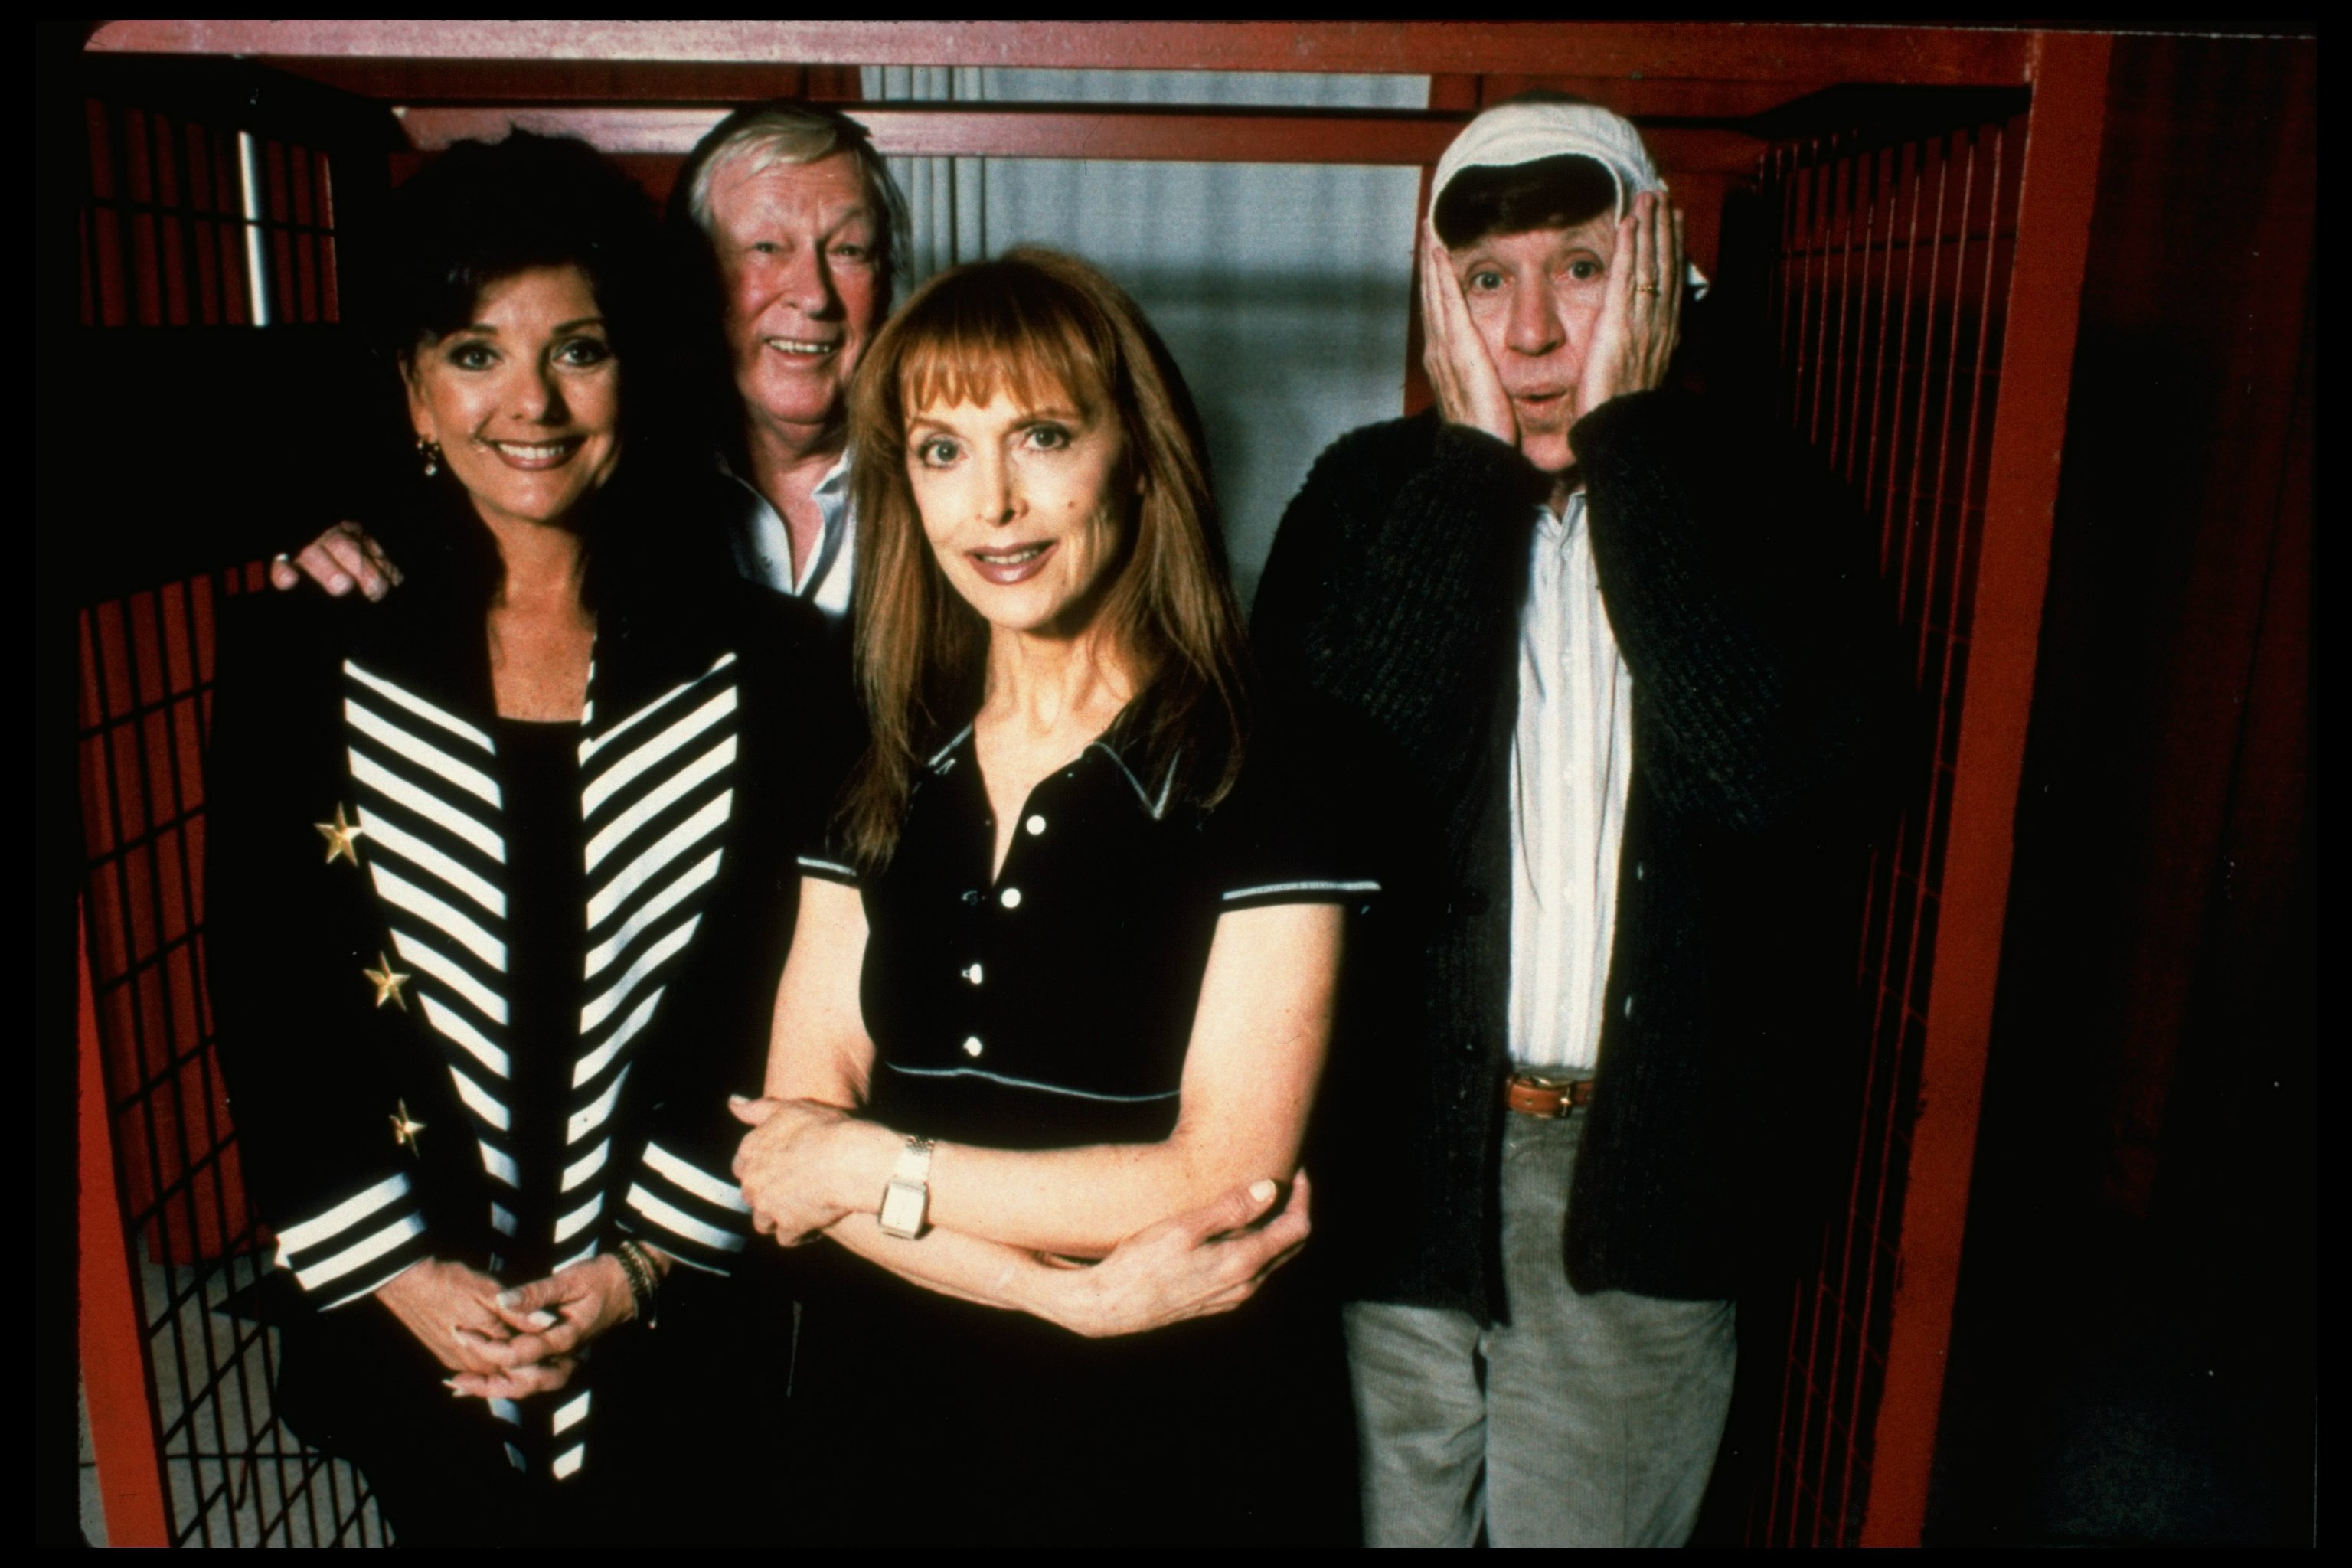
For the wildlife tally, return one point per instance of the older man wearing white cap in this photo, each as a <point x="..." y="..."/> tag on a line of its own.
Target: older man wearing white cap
<point x="1611" y="680"/>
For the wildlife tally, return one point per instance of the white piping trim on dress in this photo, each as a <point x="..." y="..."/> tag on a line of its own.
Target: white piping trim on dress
<point x="1155" y="807"/>
<point x="1027" y="1083"/>
<point x="1260" y="891"/>
<point x="940" y="756"/>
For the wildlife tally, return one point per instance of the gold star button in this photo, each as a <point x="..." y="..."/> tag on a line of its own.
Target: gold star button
<point x="404" y="1130"/>
<point x="339" y="835"/>
<point x="387" y="982"/>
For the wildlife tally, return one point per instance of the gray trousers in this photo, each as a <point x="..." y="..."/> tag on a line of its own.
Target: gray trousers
<point x="1585" y="1421"/>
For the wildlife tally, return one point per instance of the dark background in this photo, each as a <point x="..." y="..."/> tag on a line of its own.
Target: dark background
<point x="2134" y="1349"/>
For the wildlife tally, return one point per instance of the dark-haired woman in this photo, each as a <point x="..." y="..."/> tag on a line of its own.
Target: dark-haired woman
<point x="1064" y="970"/>
<point x="495" y="902"/>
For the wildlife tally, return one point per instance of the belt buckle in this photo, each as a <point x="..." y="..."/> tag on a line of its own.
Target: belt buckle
<point x="1563" y="1089"/>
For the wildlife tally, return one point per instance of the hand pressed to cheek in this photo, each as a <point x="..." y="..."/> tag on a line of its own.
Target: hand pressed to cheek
<point x="1462" y="374"/>
<point x="1640" y="324"/>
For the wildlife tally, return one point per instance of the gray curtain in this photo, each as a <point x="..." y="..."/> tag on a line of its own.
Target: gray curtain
<point x="1281" y="288"/>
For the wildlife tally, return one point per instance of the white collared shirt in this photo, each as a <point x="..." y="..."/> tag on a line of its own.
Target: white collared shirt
<point x="763" y="545"/>
<point x="1571" y="758"/>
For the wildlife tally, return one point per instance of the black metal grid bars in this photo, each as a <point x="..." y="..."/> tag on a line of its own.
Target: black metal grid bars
<point x="234" y="1474"/>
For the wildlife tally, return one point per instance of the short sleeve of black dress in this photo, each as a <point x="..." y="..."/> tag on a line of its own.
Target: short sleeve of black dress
<point x="1049" y="1003"/>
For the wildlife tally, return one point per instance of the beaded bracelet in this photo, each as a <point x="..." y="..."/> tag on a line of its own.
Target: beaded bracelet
<point x="643" y="1276"/>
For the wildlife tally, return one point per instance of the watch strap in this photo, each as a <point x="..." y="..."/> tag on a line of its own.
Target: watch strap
<point x="914" y="1166"/>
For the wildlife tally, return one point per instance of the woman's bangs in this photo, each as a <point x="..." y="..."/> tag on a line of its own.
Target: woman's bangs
<point x="970" y="356"/>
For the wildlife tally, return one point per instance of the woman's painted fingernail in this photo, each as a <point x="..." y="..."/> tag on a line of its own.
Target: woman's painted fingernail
<point x="541" y="1320"/>
<point x="1263" y="1189"/>
<point x="509" y="1297"/>
<point x="738" y="1100"/>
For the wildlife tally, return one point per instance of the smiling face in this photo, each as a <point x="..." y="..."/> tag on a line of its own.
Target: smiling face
<point x="1535" y="298"/>
<point x="525" y="401"/>
<point x="1022" y="506"/>
<point x="799" y="255"/>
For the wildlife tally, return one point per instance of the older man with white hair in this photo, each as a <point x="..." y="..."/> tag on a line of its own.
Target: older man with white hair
<point x="803" y="222"/>
<point x="1611" y="680"/>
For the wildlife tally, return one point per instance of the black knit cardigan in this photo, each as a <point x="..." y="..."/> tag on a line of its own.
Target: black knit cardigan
<point x="1762" y="696"/>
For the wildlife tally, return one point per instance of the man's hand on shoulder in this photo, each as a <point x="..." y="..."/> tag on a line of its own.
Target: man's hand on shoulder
<point x="339" y="560"/>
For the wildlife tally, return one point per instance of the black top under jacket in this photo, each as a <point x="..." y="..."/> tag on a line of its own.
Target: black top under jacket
<point x="1763" y="692"/>
<point x="481" y="988"/>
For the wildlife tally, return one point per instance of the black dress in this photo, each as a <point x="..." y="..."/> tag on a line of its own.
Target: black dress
<point x="481" y="990"/>
<point x="1050" y="1006"/>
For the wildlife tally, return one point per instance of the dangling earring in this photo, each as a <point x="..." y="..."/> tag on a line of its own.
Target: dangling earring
<point x="429" y="452"/>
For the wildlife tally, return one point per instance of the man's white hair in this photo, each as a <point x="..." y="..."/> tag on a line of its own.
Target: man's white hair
<point x="782" y="133"/>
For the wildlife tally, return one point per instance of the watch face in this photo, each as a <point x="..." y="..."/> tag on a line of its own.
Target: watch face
<point x="903" y="1203"/>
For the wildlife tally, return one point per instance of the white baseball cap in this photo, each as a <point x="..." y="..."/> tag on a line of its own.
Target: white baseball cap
<point x="1513" y="133"/>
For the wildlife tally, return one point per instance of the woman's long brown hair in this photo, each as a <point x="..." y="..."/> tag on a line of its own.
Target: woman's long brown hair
<point x="1036" y="324"/>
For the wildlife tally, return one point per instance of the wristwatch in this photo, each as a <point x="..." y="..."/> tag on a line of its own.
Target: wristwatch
<point x="907" y="1200"/>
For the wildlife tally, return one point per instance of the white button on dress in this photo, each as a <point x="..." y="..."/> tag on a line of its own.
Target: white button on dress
<point x="972" y="1046"/>
<point x="971" y="974"/>
<point x="1010" y="897"/>
<point x="1035" y="825"/>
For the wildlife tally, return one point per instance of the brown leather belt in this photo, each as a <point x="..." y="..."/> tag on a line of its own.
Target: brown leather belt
<point x="1532" y="1094"/>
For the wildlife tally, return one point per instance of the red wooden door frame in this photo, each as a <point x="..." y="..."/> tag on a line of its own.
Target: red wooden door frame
<point x="117" y="1392"/>
<point x="2054" y="231"/>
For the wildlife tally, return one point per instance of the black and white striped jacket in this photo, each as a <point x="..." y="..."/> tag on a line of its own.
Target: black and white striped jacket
<point x="373" y="1134"/>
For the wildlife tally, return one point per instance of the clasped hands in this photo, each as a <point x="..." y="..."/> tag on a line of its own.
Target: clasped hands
<point x="802" y="1159"/>
<point x="503" y="1344"/>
